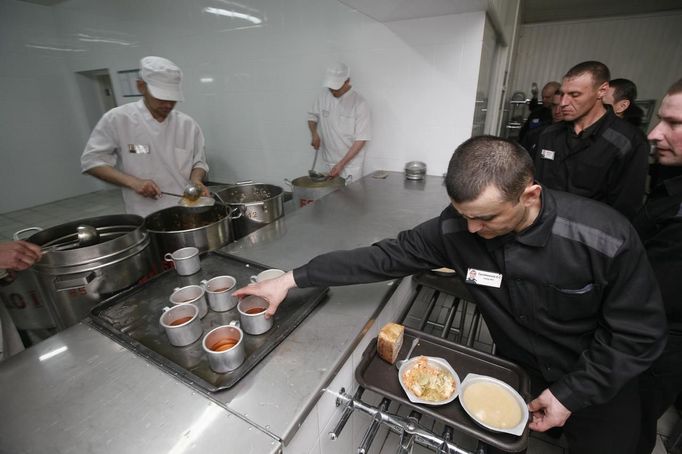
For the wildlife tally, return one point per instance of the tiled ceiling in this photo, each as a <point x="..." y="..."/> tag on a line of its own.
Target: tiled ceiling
<point x="561" y="10"/>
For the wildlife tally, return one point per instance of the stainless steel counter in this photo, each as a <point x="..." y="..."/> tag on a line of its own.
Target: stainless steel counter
<point x="98" y="397"/>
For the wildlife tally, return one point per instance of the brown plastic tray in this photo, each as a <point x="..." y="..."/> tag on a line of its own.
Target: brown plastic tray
<point x="377" y="375"/>
<point x="132" y="318"/>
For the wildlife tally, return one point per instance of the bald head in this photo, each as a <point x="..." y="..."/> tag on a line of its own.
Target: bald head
<point x="548" y="92"/>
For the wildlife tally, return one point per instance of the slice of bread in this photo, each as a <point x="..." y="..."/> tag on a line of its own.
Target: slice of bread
<point x="389" y="341"/>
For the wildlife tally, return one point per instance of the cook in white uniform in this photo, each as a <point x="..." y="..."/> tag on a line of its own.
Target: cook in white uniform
<point x="16" y="256"/>
<point x="339" y="124"/>
<point x="147" y="147"/>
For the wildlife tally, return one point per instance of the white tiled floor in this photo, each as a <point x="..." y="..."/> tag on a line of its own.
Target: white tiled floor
<point x="110" y="202"/>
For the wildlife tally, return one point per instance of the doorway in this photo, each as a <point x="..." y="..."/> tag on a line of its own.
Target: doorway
<point x="97" y="93"/>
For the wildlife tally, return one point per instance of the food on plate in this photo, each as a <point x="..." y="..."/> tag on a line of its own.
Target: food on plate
<point x="389" y="341"/>
<point x="429" y="382"/>
<point x="492" y="404"/>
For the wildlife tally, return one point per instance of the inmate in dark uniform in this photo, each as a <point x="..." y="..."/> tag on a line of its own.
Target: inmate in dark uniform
<point x="608" y="161"/>
<point x="577" y="304"/>
<point x="659" y="224"/>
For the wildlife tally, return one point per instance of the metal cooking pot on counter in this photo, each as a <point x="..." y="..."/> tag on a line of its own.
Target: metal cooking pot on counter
<point x="88" y="260"/>
<point x="260" y="204"/>
<point x="206" y="228"/>
<point x="306" y="190"/>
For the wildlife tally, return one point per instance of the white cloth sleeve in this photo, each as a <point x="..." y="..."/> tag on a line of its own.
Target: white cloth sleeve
<point x="101" y="147"/>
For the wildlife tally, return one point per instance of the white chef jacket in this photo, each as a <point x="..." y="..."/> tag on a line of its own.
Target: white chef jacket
<point x="340" y="122"/>
<point x="131" y="139"/>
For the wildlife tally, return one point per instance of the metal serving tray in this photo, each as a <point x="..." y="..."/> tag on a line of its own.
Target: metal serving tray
<point x="377" y="375"/>
<point x="132" y="318"/>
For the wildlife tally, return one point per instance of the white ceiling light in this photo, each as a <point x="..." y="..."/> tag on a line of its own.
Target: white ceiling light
<point x="235" y="14"/>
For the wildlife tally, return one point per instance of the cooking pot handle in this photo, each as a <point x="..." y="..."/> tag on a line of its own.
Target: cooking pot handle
<point x="17" y="235"/>
<point x="73" y="281"/>
<point x="239" y="183"/>
<point x="287" y="181"/>
<point x="241" y="209"/>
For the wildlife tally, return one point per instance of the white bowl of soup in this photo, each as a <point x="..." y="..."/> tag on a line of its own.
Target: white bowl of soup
<point x="493" y="404"/>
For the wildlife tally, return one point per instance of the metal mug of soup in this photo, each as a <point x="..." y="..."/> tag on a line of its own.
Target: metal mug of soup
<point x="194" y="294"/>
<point x="252" y="315"/>
<point x="264" y="275"/>
<point x="182" y="324"/>
<point x="219" y="293"/>
<point x="186" y="260"/>
<point x="224" y="347"/>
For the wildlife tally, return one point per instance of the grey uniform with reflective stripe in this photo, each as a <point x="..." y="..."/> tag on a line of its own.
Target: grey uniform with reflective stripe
<point x="608" y="161"/>
<point x="578" y="301"/>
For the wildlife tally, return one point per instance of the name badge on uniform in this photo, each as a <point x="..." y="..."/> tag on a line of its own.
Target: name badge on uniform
<point x="138" y="149"/>
<point x="485" y="278"/>
<point x="547" y="154"/>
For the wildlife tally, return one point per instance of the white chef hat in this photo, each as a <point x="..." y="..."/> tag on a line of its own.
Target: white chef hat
<point x="336" y="75"/>
<point x="163" y="78"/>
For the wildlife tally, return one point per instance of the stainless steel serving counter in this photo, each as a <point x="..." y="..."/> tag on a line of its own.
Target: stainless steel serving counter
<point x="95" y="396"/>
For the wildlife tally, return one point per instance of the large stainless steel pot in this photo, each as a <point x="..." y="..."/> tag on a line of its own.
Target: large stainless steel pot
<point x="26" y="304"/>
<point x="75" y="275"/>
<point x="306" y="190"/>
<point x="260" y="204"/>
<point x="206" y="228"/>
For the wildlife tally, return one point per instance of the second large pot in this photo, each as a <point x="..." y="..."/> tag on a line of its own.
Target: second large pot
<point x="306" y="190"/>
<point x="260" y="204"/>
<point x="206" y="228"/>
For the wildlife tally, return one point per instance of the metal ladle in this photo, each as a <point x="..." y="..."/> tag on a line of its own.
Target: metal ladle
<point x="87" y="235"/>
<point x="192" y="192"/>
<point x="314" y="174"/>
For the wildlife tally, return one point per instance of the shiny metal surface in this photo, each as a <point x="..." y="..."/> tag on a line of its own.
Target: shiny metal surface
<point x="74" y="279"/>
<point x="206" y="228"/>
<point x="80" y="392"/>
<point x="259" y="204"/>
<point x="280" y="392"/>
<point x="101" y="396"/>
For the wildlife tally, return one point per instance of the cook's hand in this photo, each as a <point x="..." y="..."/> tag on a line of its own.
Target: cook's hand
<point x="315" y="142"/>
<point x="547" y="412"/>
<point x="18" y="255"/>
<point x="336" y="170"/>
<point x="146" y="188"/>
<point x="272" y="290"/>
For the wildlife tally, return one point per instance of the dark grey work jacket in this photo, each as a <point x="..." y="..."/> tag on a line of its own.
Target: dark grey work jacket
<point x="606" y="162"/>
<point x="578" y="300"/>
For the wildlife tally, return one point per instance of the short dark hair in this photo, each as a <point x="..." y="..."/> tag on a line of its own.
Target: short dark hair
<point x="598" y="70"/>
<point x="675" y="88"/>
<point x="623" y="89"/>
<point x="484" y="160"/>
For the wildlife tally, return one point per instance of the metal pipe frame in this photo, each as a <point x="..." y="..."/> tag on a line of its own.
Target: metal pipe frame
<point x="407" y="427"/>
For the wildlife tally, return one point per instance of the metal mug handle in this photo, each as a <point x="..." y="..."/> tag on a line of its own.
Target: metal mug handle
<point x="253" y="279"/>
<point x="166" y="309"/>
<point x="234" y="323"/>
<point x="168" y="257"/>
<point x="17" y="235"/>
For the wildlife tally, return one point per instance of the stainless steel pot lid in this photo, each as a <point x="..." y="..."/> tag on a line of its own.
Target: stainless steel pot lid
<point x="116" y="234"/>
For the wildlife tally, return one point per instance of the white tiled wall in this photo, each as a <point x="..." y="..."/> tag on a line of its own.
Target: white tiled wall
<point x="248" y="86"/>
